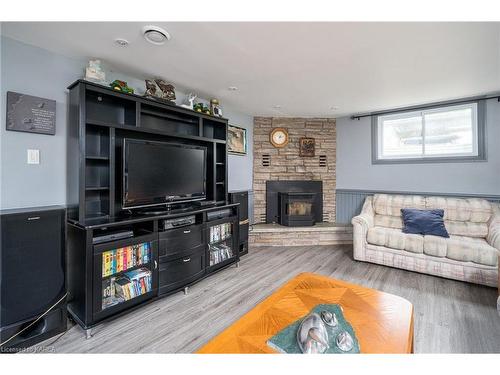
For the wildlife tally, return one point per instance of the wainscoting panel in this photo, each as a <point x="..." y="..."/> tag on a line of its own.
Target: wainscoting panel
<point x="349" y="202"/>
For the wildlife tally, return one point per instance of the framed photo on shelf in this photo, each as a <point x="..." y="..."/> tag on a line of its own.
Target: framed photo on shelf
<point x="237" y="140"/>
<point x="307" y="147"/>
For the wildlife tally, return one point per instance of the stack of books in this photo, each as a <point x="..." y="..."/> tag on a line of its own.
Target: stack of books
<point x="119" y="260"/>
<point x="132" y="284"/>
<point x="220" y="232"/>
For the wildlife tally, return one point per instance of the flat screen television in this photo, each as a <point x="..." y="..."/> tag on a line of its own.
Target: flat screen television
<point x="158" y="173"/>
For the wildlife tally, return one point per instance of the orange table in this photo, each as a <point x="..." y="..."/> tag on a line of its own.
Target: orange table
<point x="383" y="323"/>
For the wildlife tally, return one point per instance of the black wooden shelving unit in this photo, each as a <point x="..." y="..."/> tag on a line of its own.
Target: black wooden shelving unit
<point x="99" y="119"/>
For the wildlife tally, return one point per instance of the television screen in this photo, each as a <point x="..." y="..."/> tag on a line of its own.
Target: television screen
<point x="158" y="172"/>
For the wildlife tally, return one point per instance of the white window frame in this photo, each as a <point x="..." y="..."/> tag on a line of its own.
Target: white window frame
<point x="478" y="143"/>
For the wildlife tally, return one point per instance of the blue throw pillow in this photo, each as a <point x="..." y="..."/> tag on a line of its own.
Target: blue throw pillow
<point x="424" y="222"/>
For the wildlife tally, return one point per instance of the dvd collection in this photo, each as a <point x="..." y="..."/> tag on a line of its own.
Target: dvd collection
<point x="125" y="287"/>
<point x="220" y="253"/>
<point x="122" y="259"/>
<point x="220" y="232"/>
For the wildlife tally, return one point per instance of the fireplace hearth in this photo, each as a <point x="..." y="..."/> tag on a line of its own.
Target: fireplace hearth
<point x="294" y="203"/>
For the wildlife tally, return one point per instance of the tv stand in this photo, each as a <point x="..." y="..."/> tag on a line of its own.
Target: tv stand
<point x="175" y="257"/>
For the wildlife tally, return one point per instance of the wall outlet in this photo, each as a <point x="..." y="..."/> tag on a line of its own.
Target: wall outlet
<point x="33" y="156"/>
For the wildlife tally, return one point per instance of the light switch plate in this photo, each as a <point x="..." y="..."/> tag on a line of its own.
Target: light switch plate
<point x="33" y="156"/>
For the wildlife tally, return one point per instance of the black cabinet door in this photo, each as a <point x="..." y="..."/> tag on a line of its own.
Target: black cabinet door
<point x="104" y="279"/>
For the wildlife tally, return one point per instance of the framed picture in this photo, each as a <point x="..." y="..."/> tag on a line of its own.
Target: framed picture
<point x="236" y="140"/>
<point x="306" y="147"/>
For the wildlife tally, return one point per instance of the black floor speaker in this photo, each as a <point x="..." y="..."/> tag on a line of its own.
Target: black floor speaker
<point x="241" y="197"/>
<point x="33" y="276"/>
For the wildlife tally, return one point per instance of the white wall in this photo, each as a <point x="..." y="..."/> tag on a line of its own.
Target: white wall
<point x="35" y="71"/>
<point x="356" y="171"/>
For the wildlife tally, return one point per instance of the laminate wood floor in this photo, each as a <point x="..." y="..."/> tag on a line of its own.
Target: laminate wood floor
<point x="450" y="316"/>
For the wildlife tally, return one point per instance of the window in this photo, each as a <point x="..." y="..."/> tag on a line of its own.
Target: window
<point x="446" y="133"/>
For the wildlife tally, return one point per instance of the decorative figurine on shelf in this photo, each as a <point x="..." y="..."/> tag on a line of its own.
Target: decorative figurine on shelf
<point x="159" y="89"/>
<point x="151" y="89"/>
<point x="167" y="90"/>
<point x="190" y="98"/>
<point x="94" y="72"/>
<point x="202" y="108"/>
<point x="215" y="109"/>
<point x="198" y="107"/>
<point x="121" y="86"/>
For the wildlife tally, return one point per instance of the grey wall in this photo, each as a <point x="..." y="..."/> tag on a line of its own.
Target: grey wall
<point x="35" y="71"/>
<point x="355" y="170"/>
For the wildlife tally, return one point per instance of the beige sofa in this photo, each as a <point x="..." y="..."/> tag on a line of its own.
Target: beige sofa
<point x="470" y="254"/>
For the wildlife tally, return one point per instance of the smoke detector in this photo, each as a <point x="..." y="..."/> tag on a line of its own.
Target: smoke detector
<point x="122" y="42"/>
<point x="155" y="35"/>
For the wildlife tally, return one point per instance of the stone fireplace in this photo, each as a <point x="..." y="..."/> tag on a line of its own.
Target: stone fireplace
<point x="285" y="164"/>
<point x="312" y="200"/>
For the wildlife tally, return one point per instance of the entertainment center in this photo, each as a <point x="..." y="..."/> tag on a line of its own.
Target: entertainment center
<point x="148" y="209"/>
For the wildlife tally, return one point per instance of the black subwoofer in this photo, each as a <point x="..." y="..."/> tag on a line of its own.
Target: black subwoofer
<point x="241" y="197"/>
<point x="33" y="274"/>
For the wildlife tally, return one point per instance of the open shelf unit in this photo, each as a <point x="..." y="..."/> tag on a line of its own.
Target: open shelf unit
<point x="100" y="118"/>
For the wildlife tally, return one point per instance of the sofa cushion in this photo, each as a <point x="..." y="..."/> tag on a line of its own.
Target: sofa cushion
<point x="426" y="222"/>
<point x="466" y="228"/>
<point x="435" y="246"/>
<point x="388" y="204"/>
<point x="468" y="249"/>
<point x="461" y="209"/>
<point x="464" y="249"/>
<point x="395" y="239"/>
<point x="388" y="221"/>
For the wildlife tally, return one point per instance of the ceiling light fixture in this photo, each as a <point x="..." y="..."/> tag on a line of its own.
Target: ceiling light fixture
<point x="277" y="106"/>
<point x="334" y="108"/>
<point x="232" y="88"/>
<point x="122" y="42"/>
<point x="155" y="35"/>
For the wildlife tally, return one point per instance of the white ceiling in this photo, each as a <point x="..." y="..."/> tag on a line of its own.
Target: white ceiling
<point x="306" y="68"/>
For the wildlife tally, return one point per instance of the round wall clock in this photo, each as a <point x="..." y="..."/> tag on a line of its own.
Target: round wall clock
<point x="279" y="137"/>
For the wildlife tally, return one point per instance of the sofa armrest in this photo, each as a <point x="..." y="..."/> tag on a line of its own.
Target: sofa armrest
<point x="493" y="236"/>
<point x="366" y="217"/>
<point x="360" y="226"/>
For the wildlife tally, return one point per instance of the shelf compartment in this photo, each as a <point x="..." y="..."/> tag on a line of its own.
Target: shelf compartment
<point x="220" y="192"/>
<point x="220" y="232"/>
<point x="124" y="259"/>
<point x="126" y="287"/>
<point x="220" y="253"/>
<point x="109" y="108"/>
<point x="96" y="175"/>
<point x="97" y="142"/>
<point x="171" y="122"/>
<point x="214" y="129"/>
<point x="96" y="203"/>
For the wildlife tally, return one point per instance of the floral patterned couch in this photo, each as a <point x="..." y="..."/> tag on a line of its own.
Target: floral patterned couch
<point x="470" y="254"/>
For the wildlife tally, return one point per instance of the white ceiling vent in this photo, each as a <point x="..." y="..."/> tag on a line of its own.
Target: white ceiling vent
<point x="155" y="35"/>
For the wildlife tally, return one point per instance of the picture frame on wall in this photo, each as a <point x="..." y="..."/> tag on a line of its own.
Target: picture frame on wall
<point x="237" y="140"/>
<point x="307" y="147"/>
